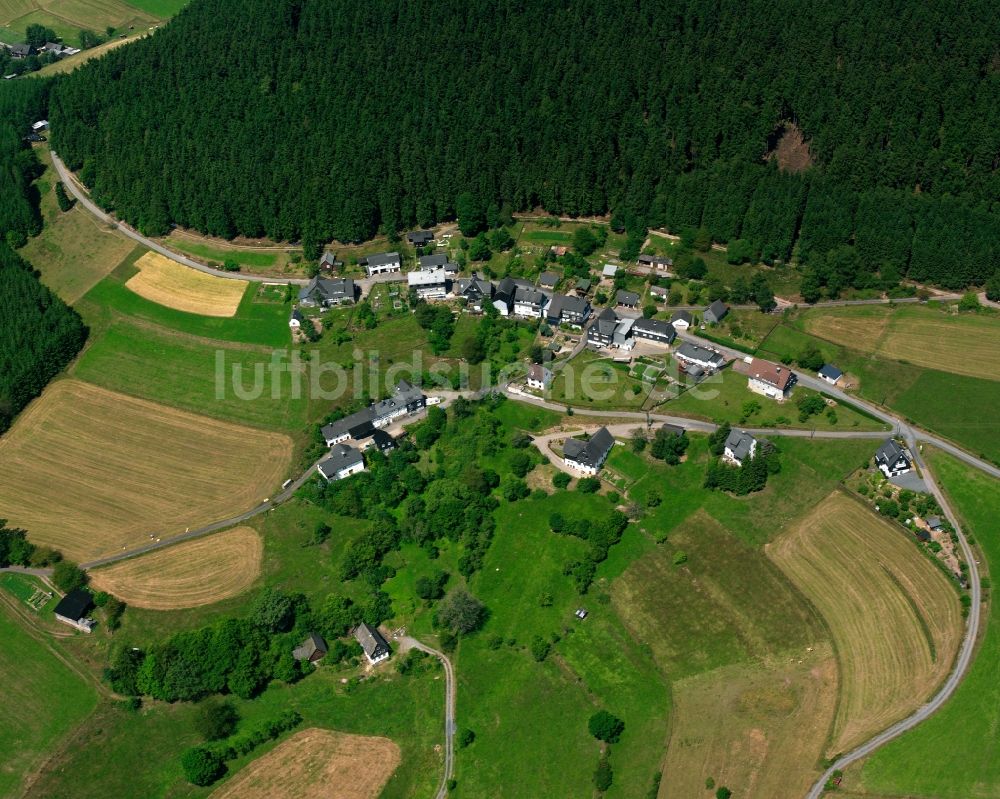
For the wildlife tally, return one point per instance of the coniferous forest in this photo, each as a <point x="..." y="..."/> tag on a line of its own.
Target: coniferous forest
<point x="321" y="119"/>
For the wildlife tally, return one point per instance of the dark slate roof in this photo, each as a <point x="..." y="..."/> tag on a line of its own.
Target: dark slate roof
<point x="655" y="259"/>
<point x="574" y="305"/>
<point x="548" y="279"/>
<point x="362" y="430"/>
<point x="313" y="648"/>
<point x="830" y="371"/>
<point x="382" y="258"/>
<point x="673" y="429"/>
<point x="682" y="316"/>
<point x="626" y="297"/>
<point x="432" y="261"/>
<point x="607" y="321"/>
<point x="383" y="440"/>
<point x="371" y="640"/>
<point x="403" y="395"/>
<point x="75" y="604"/>
<point x="933" y="522"/>
<point x="341" y="426"/>
<point x="890" y="452"/>
<point x="693" y="352"/>
<point x="658" y="327"/>
<point x="591" y="452"/>
<point x="297" y="316"/>
<point x="529" y="296"/>
<point x="341" y="457"/>
<point x="420" y="237"/>
<point x="323" y="289"/>
<point x="739" y="443"/>
<point x="473" y="286"/>
<point x="506" y="289"/>
<point x="718" y="309"/>
<point x="582" y="285"/>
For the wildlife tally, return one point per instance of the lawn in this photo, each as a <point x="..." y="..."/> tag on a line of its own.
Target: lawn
<point x="255" y="259"/>
<point x="256" y="321"/>
<point x="138" y="470"/>
<point x="159" y="8"/>
<point x="74" y="251"/>
<point x="955" y="754"/>
<point x="590" y="381"/>
<point x="68" y="17"/>
<point x="44" y="699"/>
<point x="523" y="710"/>
<point x="894" y="616"/>
<point x="184" y="372"/>
<point x="520" y="415"/>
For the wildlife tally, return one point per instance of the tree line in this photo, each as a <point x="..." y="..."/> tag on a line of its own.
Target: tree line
<point x="343" y="119"/>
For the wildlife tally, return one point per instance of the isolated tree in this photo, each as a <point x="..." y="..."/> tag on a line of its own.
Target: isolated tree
<point x="539" y="648"/>
<point x="461" y="612"/>
<point x="202" y="766"/>
<point x="606" y="727"/>
<point x="215" y="719"/>
<point x="68" y="576"/>
<point x="561" y="480"/>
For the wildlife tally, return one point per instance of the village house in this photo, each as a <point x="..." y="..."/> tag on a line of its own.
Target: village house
<point x="382" y="263"/>
<point x="581" y="287"/>
<point x="429" y="284"/>
<point x="407" y="399"/>
<point x="73" y="609"/>
<point x="892" y="459"/>
<point x="58" y="50"/>
<point x="658" y="293"/>
<point x="474" y="290"/>
<point x="740" y="447"/>
<point x="566" y="309"/>
<point x="329" y="262"/>
<point x="548" y="280"/>
<point x="627" y="299"/>
<point x="588" y="456"/>
<point x="19" y="51"/>
<point x="327" y="293"/>
<point x="375" y="647"/>
<point x="706" y="359"/>
<point x="429" y="262"/>
<point x="381" y="441"/>
<point x="622" y="339"/>
<point x="715" y="312"/>
<point x="601" y="333"/>
<point x="656" y="262"/>
<point x="830" y="373"/>
<point x="681" y="320"/>
<point x="344" y="461"/>
<point x="529" y="302"/>
<point x="764" y="377"/>
<point x="674" y="430"/>
<point x="654" y="330"/>
<point x="506" y="291"/>
<point x="313" y="649"/>
<point x="539" y="377"/>
<point x="420" y="238"/>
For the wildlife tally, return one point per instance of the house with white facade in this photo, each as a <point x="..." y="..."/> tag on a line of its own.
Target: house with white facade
<point x="529" y="302"/>
<point x="740" y="447"/>
<point x="567" y="309"/>
<point x="766" y="378"/>
<point x="681" y="320"/>
<point x="344" y="461"/>
<point x="382" y="263"/>
<point x="655" y="330"/>
<point x="323" y="293"/>
<point x="429" y="284"/>
<point x="703" y="357"/>
<point x="375" y="647"/>
<point x="658" y="262"/>
<point x="830" y="373"/>
<point x="539" y="377"/>
<point x="892" y="459"/>
<point x="588" y="456"/>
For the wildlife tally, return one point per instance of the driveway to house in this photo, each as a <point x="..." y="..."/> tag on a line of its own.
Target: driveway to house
<point x="408" y="642"/>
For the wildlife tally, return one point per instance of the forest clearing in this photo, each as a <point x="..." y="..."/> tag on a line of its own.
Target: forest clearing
<point x="188" y="575"/>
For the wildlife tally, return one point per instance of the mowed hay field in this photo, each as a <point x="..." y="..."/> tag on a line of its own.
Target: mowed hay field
<point x="169" y="283"/>
<point x="90" y="471"/>
<point x="188" y="575"/>
<point x="965" y="344"/>
<point x="894" y="617"/>
<point x="68" y="17"/>
<point x="317" y="764"/>
<point x="759" y="727"/>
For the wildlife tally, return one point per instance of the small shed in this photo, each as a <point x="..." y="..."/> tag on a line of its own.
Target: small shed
<point x="73" y="609"/>
<point x="312" y="649"/>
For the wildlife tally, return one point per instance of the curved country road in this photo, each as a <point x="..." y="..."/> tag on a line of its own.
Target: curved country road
<point x="449" y="711"/>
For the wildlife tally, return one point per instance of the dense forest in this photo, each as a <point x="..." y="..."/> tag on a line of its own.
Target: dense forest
<point x="39" y="335"/>
<point x="320" y="119"/>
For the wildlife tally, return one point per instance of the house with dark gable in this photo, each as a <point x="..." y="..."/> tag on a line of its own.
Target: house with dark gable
<point x="627" y="299"/>
<point x="428" y="262"/>
<point x="313" y="649"/>
<point x="601" y="332"/>
<point x="715" y="312"/>
<point x="656" y="262"/>
<point x="654" y="330"/>
<point x="375" y="647"/>
<point x="361" y="425"/>
<point x="322" y="293"/>
<point x="892" y="459"/>
<point x="740" y="447"/>
<point x="567" y="309"/>
<point x="73" y="609"/>
<point x="382" y="263"/>
<point x="588" y="456"/>
<point x="474" y="290"/>
<point x="420" y="238"/>
<point x="344" y="461"/>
